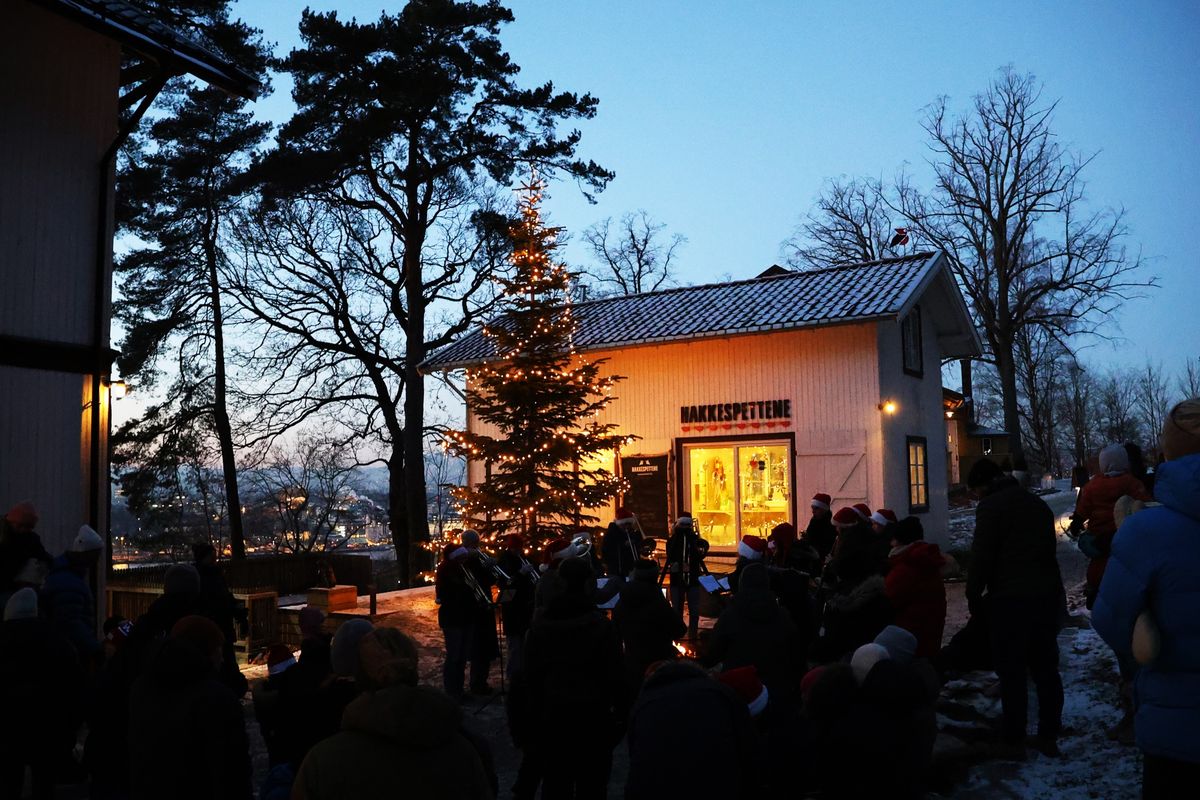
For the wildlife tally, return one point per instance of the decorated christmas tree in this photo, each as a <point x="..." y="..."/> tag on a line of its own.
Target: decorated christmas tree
<point x="541" y="400"/>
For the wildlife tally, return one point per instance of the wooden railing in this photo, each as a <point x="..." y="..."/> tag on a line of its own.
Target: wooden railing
<point x="283" y="574"/>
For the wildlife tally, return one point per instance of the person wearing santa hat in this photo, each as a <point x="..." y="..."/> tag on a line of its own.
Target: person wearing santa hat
<point x="751" y="549"/>
<point x="685" y="564"/>
<point x="517" y="593"/>
<point x="820" y="533"/>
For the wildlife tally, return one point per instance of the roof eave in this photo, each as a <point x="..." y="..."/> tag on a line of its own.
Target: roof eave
<point x="204" y="65"/>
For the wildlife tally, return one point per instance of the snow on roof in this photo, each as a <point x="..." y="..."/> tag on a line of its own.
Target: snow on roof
<point x="774" y="301"/>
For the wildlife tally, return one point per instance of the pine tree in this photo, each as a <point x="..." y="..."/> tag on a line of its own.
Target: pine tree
<point x="542" y="398"/>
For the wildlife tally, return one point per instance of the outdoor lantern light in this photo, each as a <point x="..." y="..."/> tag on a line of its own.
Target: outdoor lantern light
<point x="888" y="407"/>
<point x="117" y="389"/>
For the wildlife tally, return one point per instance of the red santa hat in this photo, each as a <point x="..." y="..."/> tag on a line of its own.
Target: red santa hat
<point x="752" y="547"/>
<point x="863" y="510"/>
<point x="279" y="659"/>
<point x="623" y="514"/>
<point x="821" y="500"/>
<point x="846" y="517"/>
<point x="745" y="682"/>
<point x="884" y="517"/>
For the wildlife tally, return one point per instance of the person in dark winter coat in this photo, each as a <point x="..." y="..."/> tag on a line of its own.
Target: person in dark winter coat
<point x="187" y="731"/>
<point x="685" y="564"/>
<point x="485" y="645"/>
<point x="219" y="605"/>
<point x="398" y="739"/>
<point x="67" y="599"/>
<point x="856" y="552"/>
<point x="820" y="533"/>
<point x="517" y="595"/>
<point x="1095" y="509"/>
<point x="41" y="691"/>
<point x="755" y="631"/>
<point x="855" y="612"/>
<point x="19" y="543"/>
<point x="1148" y="605"/>
<point x="622" y="544"/>
<point x="914" y="586"/>
<point x="458" y="610"/>
<point x="646" y="623"/>
<point x="569" y="703"/>
<point x="1014" y="561"/>
<point x="690" y="736"/>
<point x="792" y="563"/>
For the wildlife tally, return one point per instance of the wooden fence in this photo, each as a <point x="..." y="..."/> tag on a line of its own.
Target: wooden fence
<point x="282" y="574"/>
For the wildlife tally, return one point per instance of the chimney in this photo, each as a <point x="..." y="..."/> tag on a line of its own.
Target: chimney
<point x="964" y="366"/>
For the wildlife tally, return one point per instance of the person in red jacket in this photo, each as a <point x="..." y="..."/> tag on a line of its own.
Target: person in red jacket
<point x="1095" y="507"/>
<point x="914" y="585"/>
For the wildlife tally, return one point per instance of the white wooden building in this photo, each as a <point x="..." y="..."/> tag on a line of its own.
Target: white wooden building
<point x="765" y="391"/>
<point x="62" y="85"/>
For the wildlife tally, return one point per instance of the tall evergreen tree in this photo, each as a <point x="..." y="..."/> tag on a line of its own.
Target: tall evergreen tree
<point x="406" y="121"/>
<point x="542" y="398"/>
<point x="177" y="195"/>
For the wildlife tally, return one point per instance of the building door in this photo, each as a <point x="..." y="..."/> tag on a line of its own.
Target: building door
<point x="735" y="488"/>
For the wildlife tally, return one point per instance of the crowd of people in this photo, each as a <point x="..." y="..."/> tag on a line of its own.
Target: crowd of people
<point x="819" y="677"/>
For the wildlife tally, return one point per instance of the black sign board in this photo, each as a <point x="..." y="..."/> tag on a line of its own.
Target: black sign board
<point x="649" y="492"/>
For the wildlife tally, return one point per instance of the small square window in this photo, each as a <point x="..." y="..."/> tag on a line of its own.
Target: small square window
<point x="918" y="475"/>
<point x="910" y="338"/>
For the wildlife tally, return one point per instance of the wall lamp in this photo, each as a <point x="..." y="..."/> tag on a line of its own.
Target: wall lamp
<point x="888" y="407"/>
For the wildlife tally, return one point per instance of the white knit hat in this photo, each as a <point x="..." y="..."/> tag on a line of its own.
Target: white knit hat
<point x="22" y="605"/>
<point x="86" y="540"/>
<point x="865" y="658"/>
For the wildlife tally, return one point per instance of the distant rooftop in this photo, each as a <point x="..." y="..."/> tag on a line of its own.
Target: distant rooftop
<point x="777" y="300"/>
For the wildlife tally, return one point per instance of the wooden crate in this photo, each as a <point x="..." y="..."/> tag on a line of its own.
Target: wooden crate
<point x="337" y="598"/>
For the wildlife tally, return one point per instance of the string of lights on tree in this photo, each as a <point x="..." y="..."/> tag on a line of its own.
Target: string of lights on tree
<point x="543" y="399"/>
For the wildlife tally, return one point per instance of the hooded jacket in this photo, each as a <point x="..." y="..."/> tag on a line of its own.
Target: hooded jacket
<point x="682" y="719"/>
<point x="918" y="596"/>
<point x="755" y="630"/>
<point x="1154" y="566"/>
<point x="187" y="733"/>
<point x="401" y="741"/>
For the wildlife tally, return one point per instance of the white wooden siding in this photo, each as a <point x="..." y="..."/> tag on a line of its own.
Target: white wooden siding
<point x="830" y="375"/>
<point x="58" y="107"/>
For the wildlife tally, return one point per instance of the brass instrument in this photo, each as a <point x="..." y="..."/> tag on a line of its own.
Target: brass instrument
<point x="493" y="565"/>
<point x="481" y="593"/>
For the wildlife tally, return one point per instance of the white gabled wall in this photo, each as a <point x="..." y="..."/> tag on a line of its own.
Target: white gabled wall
<point x="919" y="413"/>
<point x="831" y="375"/>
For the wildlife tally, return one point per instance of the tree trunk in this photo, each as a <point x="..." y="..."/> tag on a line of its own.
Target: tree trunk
<point x="1008" y="391"/>
<point x="416" y="502"/>
<point x="398" y="516"/>
<point x="221" y="424"/>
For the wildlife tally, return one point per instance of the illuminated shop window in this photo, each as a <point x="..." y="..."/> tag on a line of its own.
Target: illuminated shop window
<point x="735" y="489"/>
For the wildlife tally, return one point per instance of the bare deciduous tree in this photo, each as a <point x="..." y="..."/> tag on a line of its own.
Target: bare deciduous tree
<point x="1118" y="412"/>
<point x="1077" y="410"/>
<point x="632" y="255"/>
<point x="851" y="222"/>
<point x="1039" y="357"/>
<point x="1008" y="208"/>
<point x="1189" y="379"/>
<point x="308" y="487"/>
<point x="1153" y="401"/>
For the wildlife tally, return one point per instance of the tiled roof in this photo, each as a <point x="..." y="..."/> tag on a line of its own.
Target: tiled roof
<point x="126" y="23"/>
<point x="766" y="303"/>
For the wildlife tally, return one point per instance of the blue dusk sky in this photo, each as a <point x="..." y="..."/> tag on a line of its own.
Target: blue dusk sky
<point x="723" y="120"/>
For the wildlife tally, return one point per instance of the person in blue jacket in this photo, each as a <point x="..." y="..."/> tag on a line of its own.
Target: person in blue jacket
<point x="1154" y="575"/>
<point x="67" y="599"/>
